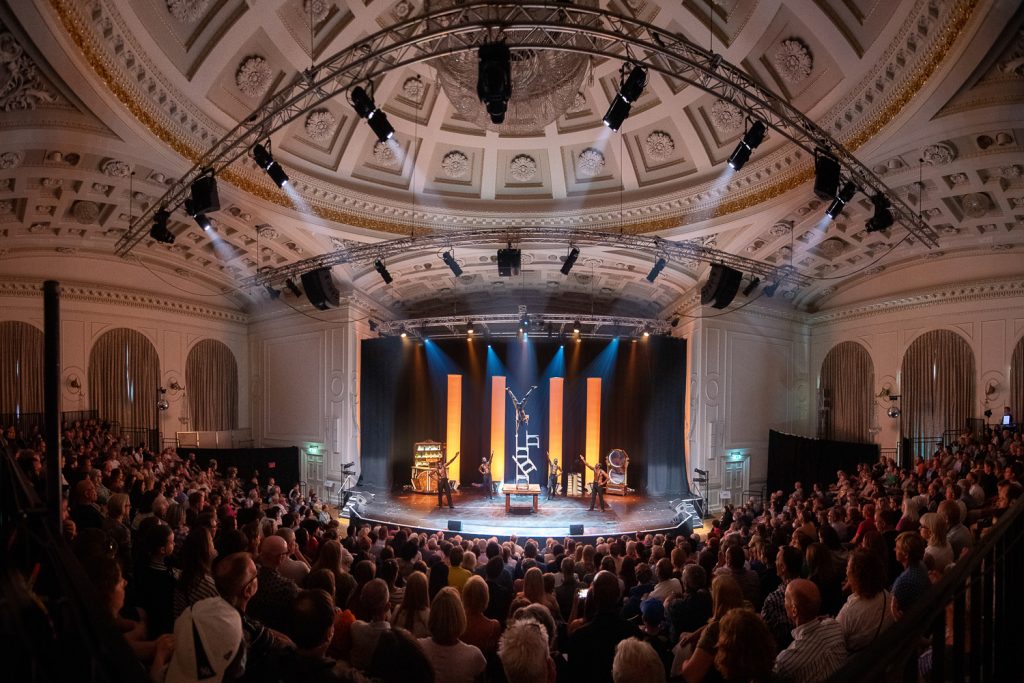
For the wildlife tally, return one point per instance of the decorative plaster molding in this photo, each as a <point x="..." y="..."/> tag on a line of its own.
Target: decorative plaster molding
<point x="523" y="168"/>
<point x="793" y="61"/>
<point x="123" y="298"/>
<point x="946" y="294"/>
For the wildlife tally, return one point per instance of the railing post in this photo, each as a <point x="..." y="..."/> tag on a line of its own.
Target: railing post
<point x="939" y="648"/>
<point x="51" y="401"/>
<point x="986" y="617"/>
<point x="999" y="610"/>
<point x="959" y="617"/>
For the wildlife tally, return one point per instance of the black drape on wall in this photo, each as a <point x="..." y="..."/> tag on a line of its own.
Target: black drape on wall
<point x="280" y="463"/>
<point x="812" y="461"/>
<point x="643" y="397"/>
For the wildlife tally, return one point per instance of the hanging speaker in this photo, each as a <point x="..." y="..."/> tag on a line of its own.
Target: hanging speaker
<point x="721" y="287"/>
<point x="320" y="288"/>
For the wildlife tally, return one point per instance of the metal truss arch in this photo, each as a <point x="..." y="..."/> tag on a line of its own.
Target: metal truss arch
<point x="499" y="325"/>
<point x="462" y="28"/>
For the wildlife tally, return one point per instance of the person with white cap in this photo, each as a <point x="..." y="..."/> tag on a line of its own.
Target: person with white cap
<point x="208" y="644"/>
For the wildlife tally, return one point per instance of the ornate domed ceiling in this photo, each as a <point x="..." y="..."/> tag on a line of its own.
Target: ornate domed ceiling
<point x="103" y="103"/>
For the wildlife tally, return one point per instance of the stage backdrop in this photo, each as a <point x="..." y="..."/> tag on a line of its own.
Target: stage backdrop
<point x="590" y="397"/>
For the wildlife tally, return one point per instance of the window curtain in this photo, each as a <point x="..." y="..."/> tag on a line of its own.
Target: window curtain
<point x="211" y="377"/>
<point x="1016" y="385"/>
<point x="124" y="379"/>
<point x="846" y="391"/>
<point x="937" y="385"/>
<point x="21" y="368"/>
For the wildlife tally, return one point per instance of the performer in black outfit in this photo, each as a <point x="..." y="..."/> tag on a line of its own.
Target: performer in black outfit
<point x="597" y="486"/>
<point x="485" y="471"/>
<point x="443" y="487"/>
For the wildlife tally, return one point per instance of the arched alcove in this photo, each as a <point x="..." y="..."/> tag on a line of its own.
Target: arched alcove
<point x="124" y="378"/>
<point x="937" y="387"/>
<point x="21" y="368"/>
<point x="211" y="384"/>
<point x="845" y="389"/>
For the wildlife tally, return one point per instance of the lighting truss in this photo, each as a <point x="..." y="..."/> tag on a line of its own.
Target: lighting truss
<point x="465" y="27"/>
<point x="506" y="325"/>
<point x="688" y="251"/>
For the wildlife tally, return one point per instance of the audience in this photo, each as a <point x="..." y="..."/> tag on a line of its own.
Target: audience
<point x="818" y="648"/>
<point x="459" y="662"/>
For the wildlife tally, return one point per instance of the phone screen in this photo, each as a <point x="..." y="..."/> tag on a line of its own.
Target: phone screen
<point x="583" y="593"/>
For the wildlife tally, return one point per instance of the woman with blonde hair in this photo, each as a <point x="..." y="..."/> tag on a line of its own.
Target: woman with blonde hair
<point x="726" y="595"/>
<point x="933" y="530"/>
<point x="746" y="649"/>
<point x="459" y="662"/>
<point x="413" y="613"/>
<point x="534" y="591"/>
<point x="480" y="630"/>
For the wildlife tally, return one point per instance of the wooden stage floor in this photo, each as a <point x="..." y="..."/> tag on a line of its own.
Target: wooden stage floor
<point x="480" y="516"/>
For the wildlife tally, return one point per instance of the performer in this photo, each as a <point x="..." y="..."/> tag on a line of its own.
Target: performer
<point x="520" y="405"/>
<point x="554" y="474"/>
<point x="443" y="487"/>
<point x="485" y="471"/>
<point x="597" y="486"/>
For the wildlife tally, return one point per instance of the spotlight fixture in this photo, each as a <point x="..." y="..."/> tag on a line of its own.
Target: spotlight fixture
<point x="402" y="333"/>
<point x="271" y="292"/>
<point x="449" y="260"/>
<point x="201" y="219"/>
<point x="494" y="79"/>
<point x="844" y="196"/>
<point x="576" y="327"/>
<point x="752" y="138"/>
<point x="367" y="109"/>
<point x="509" y="261"/>
<point x="204" y="196"/>
<point x="265" y="160"/>
<point x="378" y="265"/>
<point x="826" y="174"/>
<point x="292" y="287"/>
<point x="754" y="282"/>
<point x="659" y="266"/>
<point x="630" y="89"/>
<point x="159" y="231"/>
<point x="470" y="328"/>
<point x="769" y="290"/>
<point x="570" y="260"/>
<point x="883" y="218"/>
<point x="647" y="332"/>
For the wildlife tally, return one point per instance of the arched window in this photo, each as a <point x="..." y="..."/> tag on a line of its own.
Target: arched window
<point x="937" y="387"/>
<point x="21" y="368"/>
<point x="211" y="383"/>
<point x="124" y="379"/>
<point x="845" y="392"/>
<point x="1017" y="382"/>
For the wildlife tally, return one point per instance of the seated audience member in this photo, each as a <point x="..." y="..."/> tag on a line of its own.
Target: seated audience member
<point x="520" y="651"/>
<point x="331" y="559"/>
<point x="195" y="582"/>
<point x="822" y="571"/>
<point x="913" y="584"/>
<point x="818" y="649"/>
<point x="459" y="662"/>
<point x="105" y="574"/>
<point x="938" y="553"/>
<point x="693" y="609"/>
<point x="155" y="581"/>
<point x="236" y="578"/>
<point x="272" y="603"/>
<point x="457" y="574"/>
<point x="958" y="535"/>
<point x="566" y="591"/>
<point x="414" y="613"/>
<point x="400" y="659"/>
<point x="294" y="566"/>
<point x="84" y="510"/>
<point x="726" y="595"/>
<point x="654" y="630"/>
<point x="788" y="563"/>
<point x="533" y="590"/>
<point x="591" y="648"/>
<point x="311" y="628"/>
<point x="636" y="660"/>
<point x="481" y="630"/>
<point x="341" y="641"/>
<point x="748" y="580"/>
<point x="501" y="594"/>
<point x="668" y="585"/>
<point x="208" y="644"/>
<point x="118" y="508"/>
<point x="868" y="610"/>
<point x="745" y="648"/>
<point x="375" y="605"/>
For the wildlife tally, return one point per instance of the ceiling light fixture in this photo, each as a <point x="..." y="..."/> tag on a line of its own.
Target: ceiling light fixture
<point x="570" y="260"/>
<point x="769" y="290"/>
<point x="844" y="196"/>
<point x="366" y="109"/>
<point x="752" y="138"/>
<point x="630" y="89"/>
<point x="470" y="328"/>
<point x="826" y="174"/>
<point x="883" y="218"/>
<point x="379" y="266"/>
<point x="494" y="79"/>
<point x="201" y="219"/>
<point x="265" y="160"/>
<point x="751" y="286"/>
<point x="159" y="231"/>
<point x="659" y="266"/>
<point x="576" y="327"/>
<point x="271" y="292"/>
<point x="449" y="260"/>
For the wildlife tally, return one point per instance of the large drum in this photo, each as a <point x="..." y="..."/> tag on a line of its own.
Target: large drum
<point x="618" y="465"/>
<point x="424" y="481"/>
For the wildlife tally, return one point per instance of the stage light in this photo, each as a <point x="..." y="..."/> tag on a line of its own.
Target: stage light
<point x="470" y="328"/>
<point x="509" y="261"/>
<point x="402" y="333"/>
<point x="378" y="265"/>
<point x="646" y="332"/>
<point x="630" y="89"/>
<point x="576" y="327"/>
<point x="844" y="196"/>
<point x="367" y="109"/>
<point x="204" y="196"/>
<point x="494" y="79"/>
<point x="659" y="266"/>
<point x="752" y="138"/>
<point x="570" y="260"/>
<point x="271" y="292"/>
<point x="449" y="260"/>
<point x="201" y="219"/>
<point x="883" y="218"/>
<point x="265" y="160"/>
<point x="159" y="231"/>
<point x="292" y="287"/>
<point x="769" y="290"/>
<point x="826" y="174"/>
<point x="754" y="282"/>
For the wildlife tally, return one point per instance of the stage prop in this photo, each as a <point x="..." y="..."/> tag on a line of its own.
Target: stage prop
<point x="618" y="472"/>
<point x="425" y="456"/>
<point x="280" y="463"/>
<point x="812" y="461"/>
<point x="526" y="490"/>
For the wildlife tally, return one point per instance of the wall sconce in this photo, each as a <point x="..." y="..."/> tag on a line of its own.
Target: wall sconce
<point x="74" y="382"/>
<point x="175" y="387"/>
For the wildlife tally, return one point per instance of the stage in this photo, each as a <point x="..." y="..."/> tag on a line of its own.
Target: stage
<point x="482" y="517"/>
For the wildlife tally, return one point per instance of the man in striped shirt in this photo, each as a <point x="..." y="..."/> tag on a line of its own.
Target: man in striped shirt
<point x="818" y="649"/>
